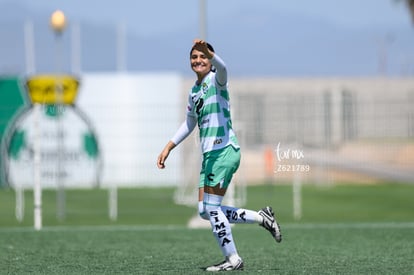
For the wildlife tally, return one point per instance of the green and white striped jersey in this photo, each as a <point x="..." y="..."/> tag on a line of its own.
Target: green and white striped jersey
<point x="209" y="104"/>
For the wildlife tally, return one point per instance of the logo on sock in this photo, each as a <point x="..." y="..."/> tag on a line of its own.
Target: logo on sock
<point x="232" y="215"/>
<point x="219" y="228"/>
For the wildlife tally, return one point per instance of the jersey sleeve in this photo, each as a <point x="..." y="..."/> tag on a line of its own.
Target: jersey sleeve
<point x="185" y="129"/>
<point x="221" y="71"/>
<point x="188" y="125"/>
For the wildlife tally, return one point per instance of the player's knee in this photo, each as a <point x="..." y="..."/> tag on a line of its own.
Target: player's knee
<point x="212" y="205"/>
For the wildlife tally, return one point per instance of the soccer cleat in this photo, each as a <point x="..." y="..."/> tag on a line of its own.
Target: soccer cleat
<point x="270" y="223"/>
<point x="226" y="265"/>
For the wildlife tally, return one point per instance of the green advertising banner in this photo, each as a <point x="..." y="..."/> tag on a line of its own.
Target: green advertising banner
<point x="12" y="100"/>
<point x="40" y="120"/>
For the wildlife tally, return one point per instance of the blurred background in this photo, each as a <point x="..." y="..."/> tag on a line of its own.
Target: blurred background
<point x="322" y="91"/>
<point x="268" y="38"/>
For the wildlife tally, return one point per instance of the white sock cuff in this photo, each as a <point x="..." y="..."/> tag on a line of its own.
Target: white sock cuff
<point x="212" y="200"/>
<point x="202" y="210"/>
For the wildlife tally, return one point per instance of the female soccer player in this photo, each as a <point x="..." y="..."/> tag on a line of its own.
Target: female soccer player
<point x="209" y="108"/>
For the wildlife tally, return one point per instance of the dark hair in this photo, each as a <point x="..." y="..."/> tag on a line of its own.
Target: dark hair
<point x="213" y="69"/>
<point x="208" y="46"/>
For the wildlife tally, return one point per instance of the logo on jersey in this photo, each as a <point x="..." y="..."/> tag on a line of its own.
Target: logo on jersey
<point x="218" y="141"/>
<point x="204" y="87"/>
<point x="199" y="105"/>
<point x="198" y="98"/>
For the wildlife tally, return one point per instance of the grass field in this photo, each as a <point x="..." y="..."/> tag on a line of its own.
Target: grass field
<point x="346" y="229"/>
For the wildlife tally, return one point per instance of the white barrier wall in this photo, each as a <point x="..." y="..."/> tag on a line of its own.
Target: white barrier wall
<point x="134" y="115"/>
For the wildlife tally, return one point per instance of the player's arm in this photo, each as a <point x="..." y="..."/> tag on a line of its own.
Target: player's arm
<point x="221" y="71"/>
<point x="185" y="129"/>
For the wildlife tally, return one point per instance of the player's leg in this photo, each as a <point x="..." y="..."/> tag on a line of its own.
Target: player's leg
<point x="264" y="217"/>
<point x="218" y="168"/>
<point x="222" y="232"/>
<point x="241" y="215"/>
<point x="217" y="171"/>
<point x="201" y="207"/>
<point x="222" y="169"/>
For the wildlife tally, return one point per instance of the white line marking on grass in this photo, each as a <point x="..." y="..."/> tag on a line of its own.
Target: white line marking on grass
<point x="96" y="228"/>
<point x="363" y="225"/>
<point x="350" y="225"/>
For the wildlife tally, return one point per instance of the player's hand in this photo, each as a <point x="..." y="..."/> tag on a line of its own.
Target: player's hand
<point x="201" y="46"/>
<point x="164" y="154"/>
<point x="162" y="158"/>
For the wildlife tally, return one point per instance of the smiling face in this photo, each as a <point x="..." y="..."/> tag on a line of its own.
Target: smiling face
<point x="200" y="64"/>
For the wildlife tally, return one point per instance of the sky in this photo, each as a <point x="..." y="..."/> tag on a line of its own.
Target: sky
<point x="167" y="15"/>
<point x="336" y="34"/>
